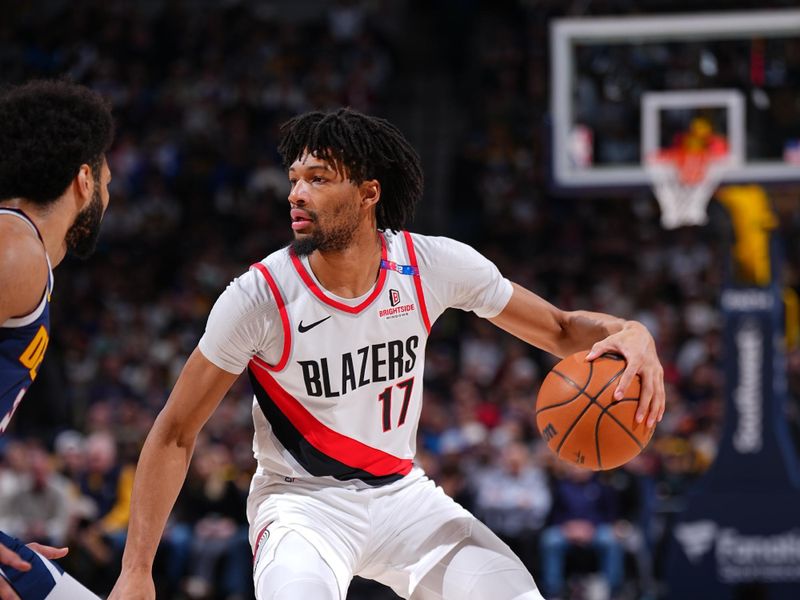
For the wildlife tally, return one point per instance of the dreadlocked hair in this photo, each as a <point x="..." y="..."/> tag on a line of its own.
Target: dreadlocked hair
<point x="364" y="147"/>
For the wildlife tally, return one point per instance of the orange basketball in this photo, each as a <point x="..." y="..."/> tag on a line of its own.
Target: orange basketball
<point x="581" y="421"/>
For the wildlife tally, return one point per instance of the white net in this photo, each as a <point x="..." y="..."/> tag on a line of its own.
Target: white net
<point x="684" y="200"/>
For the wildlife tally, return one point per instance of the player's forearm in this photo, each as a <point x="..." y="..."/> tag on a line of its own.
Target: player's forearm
<point x="166" y="455"/>
<point x="159" y="477"/>
<point x="536" y="321"/>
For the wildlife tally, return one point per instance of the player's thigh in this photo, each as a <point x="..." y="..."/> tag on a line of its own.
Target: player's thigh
<point x="414" y="527"/>
<point x="330" y="522"/>
<point x="479" y="566"/>
<point x="294" y="569"/>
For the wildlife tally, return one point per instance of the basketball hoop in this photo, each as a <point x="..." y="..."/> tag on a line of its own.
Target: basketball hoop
<point x="683" y="183"/>
<point x="687" y="169"/>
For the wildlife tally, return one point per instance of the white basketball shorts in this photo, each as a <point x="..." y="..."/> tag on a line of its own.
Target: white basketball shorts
<point x="392" y="534"/>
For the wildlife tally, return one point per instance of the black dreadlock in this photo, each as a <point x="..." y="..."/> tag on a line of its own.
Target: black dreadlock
<point x="366" y="148"/>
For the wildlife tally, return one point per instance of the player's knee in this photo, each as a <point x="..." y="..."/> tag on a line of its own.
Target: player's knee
<point x="534" y="595"/>
<point x="489" y="575"/>
<point x="296" y="571"/>
<point x="300" y="588"/>
<point x="478" y="568"/>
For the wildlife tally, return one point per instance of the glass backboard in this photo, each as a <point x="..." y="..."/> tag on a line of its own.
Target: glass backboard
<point x="623" y="88"/>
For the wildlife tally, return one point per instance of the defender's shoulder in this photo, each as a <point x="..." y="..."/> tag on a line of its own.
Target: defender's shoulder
<point x="23" y="269"/>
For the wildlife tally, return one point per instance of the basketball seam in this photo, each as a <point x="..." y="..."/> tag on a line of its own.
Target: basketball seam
<point x="583" y="412"/>
<point x="592" y="400"/>
<point x="581" y="390"/>
<point x="604" y="411"/>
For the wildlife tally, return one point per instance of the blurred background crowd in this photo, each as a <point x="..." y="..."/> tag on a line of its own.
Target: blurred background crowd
<point x="198" y="89"/>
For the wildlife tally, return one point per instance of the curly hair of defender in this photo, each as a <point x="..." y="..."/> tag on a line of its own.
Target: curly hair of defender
<point x="367" y="148"/>
<point x="48" y="129"/>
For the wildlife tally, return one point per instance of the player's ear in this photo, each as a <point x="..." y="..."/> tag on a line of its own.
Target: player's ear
<point x="84" y="186"/>
<point x="370" y="192"/>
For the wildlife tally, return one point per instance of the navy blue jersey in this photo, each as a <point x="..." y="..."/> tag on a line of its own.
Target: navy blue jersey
<point x="23" y="341"/>
<point x="37" y="583"/>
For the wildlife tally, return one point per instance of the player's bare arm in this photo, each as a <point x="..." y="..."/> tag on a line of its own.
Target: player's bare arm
<point x="23" y="279"/>
<point x="23" y="269"/>
<point x="536" y="321"/>
<point x="162" y="468"/>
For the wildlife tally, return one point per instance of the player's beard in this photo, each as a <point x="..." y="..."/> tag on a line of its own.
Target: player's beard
<point x="333" y="238"/>
<point x="82" y="235"/>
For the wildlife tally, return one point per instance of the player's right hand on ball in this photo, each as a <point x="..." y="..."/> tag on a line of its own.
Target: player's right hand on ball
<point x="131" y="586"/>
<point x="637" y="346"/>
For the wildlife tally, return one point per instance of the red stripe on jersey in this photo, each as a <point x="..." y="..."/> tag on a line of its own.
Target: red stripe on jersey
<point x="344" y="449"/>
<point x="412" y="256"/>
<point x="309" y="281"/>
<point x="259" y="541"/>
<point x="287" y="330"/>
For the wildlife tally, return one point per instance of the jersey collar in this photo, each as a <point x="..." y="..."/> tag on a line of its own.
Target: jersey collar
<point x="326" y="298"/>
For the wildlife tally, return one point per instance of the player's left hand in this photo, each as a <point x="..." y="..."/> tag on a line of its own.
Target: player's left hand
<point x="638" y="347"/>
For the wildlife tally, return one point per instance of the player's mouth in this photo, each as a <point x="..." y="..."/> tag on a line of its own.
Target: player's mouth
<point x="300" y="219"/>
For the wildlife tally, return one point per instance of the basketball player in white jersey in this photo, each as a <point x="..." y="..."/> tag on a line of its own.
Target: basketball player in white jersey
<point x="53" y="193"/>
<point x="332" y="331"/>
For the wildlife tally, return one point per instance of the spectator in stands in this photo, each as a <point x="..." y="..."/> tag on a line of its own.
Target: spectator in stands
<point x="583" y="515"/>
<point x="14" y="472"/>
<point x="513" y="499"/>
<point x="634" y="485"/>
<point x="108" y="484"/>
<point x="215" y="506"/>
<point x="40" y="509"/>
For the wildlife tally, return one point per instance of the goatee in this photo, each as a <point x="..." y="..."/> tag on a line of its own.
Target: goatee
<point x="330" y="241"/>
<point x="305" y="245"/>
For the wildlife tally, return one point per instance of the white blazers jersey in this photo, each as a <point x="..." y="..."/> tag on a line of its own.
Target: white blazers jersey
<point x="341" y="397"/>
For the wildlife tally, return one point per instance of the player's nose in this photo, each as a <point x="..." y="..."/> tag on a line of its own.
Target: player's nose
<point x="298" y="194"/>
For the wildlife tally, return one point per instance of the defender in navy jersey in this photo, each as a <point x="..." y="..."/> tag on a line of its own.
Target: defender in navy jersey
<point x="23" y="340"/>
<point x="332" y="332"/>
<point x="53" y="193"/>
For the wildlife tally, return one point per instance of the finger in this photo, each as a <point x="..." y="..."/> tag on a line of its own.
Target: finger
<point x="659" y="398"/>
<point x="645" y="397"/>
<point x="663" y="396"/>
<point x="655" y="407"/>
<point x="627" y="376"/>
<point x="48" y="551"/>
<point x="12" y="559"/>
<point x="6" y="591"/>
<point x="598" y="349"/>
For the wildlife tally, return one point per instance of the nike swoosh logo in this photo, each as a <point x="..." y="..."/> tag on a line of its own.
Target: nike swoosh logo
<point x="303" y="328"/>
